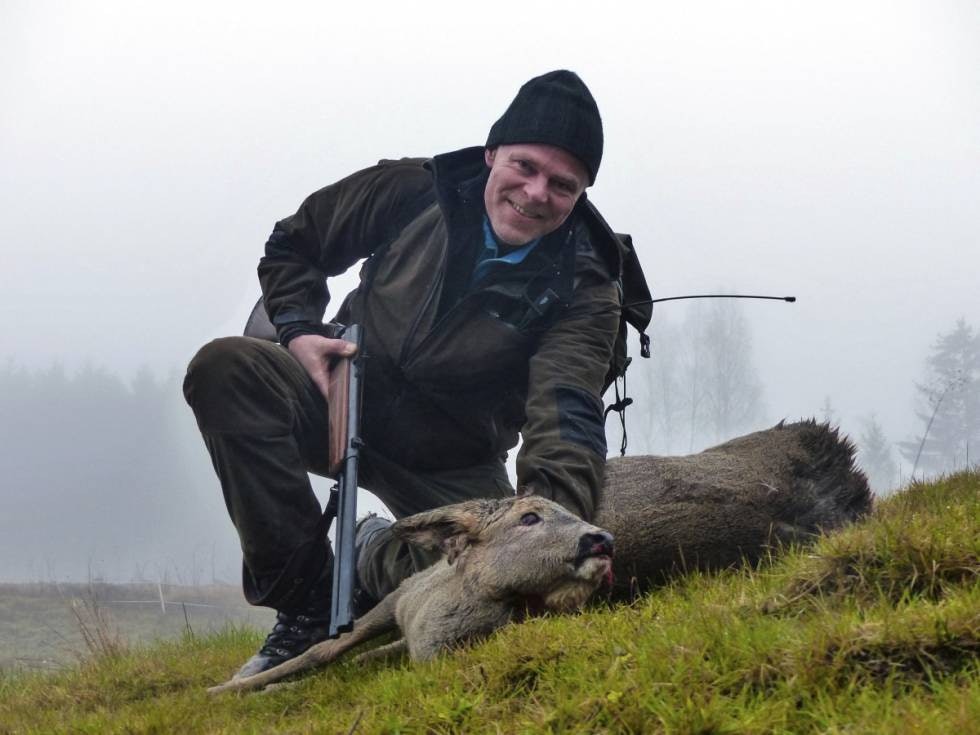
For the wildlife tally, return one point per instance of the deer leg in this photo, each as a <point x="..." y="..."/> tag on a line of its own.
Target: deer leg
<point x="383" y="653"/>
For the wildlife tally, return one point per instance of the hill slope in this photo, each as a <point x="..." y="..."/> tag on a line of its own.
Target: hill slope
<point x="875" y="629"/>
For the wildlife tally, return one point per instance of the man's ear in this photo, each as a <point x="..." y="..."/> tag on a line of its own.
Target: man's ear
<point x="449" y="529"/>
<point x="489" y="155"/>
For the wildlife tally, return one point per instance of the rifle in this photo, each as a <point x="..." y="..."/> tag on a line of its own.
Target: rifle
<point x="344" y="405"/>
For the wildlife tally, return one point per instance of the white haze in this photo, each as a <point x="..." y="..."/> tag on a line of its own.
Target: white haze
<point x="826" y="150"/>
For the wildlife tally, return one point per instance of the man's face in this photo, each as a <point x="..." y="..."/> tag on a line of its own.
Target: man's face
<point x="531" y="190"/>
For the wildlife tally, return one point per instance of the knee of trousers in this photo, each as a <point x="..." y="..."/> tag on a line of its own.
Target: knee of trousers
<point x="232" y="384"/>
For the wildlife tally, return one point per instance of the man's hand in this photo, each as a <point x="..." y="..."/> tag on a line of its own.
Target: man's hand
<point x="315" y="354"/>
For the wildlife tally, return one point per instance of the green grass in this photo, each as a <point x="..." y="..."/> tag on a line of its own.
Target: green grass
<point x="875" y="629"/>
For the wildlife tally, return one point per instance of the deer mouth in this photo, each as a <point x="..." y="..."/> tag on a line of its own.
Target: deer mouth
<point x="594" y="546"/>
<point x="582" y="558"/>
<point x="593" y="569"/>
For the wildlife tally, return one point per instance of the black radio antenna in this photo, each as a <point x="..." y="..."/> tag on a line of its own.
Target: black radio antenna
<point x="790" y="299"/>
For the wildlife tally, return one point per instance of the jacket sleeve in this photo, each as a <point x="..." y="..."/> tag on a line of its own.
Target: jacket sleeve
<point x="564" y="452"/>
<point x="333" y="229"/>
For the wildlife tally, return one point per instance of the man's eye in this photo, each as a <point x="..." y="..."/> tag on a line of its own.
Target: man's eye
<point x="524" y="165"/>
<point x="529" y="519"/>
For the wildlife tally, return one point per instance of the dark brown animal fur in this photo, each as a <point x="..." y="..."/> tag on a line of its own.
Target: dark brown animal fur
<point x="729" y="503"/>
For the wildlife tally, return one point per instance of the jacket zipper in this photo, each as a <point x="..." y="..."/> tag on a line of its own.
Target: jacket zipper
<point x="407" y="357"/>
<point x="406" y="345"/>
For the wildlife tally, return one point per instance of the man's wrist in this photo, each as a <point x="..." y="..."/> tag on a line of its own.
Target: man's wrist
<point x="289" y="332"/>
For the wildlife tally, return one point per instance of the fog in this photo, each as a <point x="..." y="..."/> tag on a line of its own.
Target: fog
<point x="826" y="150"/>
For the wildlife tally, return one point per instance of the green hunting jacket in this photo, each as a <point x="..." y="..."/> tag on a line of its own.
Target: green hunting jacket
<point x="455" y="372"/>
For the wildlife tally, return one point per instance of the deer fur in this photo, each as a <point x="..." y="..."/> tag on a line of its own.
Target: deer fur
<point x="496" y="565"/>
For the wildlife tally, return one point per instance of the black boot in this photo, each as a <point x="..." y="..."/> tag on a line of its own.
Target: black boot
<point x="296" y="628"/>
<point x="291" y="635"/>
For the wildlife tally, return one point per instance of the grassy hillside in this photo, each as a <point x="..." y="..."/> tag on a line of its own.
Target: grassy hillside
<point x="875" y="629"/>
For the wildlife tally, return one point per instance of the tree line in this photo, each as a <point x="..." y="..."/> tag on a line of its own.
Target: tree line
<point x="104" y="475"/>
<point x="947" y="409"/>
<point x="100" y="472"/>
<point x="702" y="387"/>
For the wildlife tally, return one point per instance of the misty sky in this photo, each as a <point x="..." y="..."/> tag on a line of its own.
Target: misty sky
<point x="826" y="150"/>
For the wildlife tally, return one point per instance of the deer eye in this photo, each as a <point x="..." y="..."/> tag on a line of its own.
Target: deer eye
<point x="529" y="519"/>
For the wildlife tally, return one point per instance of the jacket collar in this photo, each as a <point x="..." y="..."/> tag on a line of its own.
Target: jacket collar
<point x="459" y="176"/>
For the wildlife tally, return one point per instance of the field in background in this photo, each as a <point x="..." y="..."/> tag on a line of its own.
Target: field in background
<point x="44" y="625"/>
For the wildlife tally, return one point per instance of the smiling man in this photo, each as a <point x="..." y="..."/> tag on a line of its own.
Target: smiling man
<point x="491" y="303"/>
<point x="531" y="190"/>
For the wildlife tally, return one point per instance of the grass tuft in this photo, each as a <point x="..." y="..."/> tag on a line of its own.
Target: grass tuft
<point x="923" y="542"/>
<point x="99" y="633"/>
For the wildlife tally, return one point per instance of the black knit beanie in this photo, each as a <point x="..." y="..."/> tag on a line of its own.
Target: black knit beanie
<point x="557" y="109"/>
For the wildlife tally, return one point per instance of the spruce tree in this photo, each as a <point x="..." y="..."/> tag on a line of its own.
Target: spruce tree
<point x="948" y="404"/>
<point x="875" y="456"/>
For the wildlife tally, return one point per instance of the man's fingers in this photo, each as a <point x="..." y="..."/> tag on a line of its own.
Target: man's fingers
<point x="348" y="349"/>
<point x="316" y="354"/>
<point x="334" y="347"/>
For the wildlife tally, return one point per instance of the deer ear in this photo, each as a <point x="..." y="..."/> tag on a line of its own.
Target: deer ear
<point x="449" y="529"/>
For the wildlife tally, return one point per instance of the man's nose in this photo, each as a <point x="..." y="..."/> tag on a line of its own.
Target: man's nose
<point x="537" y="189"/>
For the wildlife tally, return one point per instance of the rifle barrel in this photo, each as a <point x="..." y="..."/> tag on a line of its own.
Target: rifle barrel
<point x="341" y="605"/>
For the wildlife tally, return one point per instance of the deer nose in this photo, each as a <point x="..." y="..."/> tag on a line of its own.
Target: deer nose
<point x="596" y="544"/>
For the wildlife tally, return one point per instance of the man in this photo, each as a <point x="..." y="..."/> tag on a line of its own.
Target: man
<point x="491" y="303"/>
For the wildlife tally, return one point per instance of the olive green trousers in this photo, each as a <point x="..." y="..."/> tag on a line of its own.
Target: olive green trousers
<point x="264" y="424"/>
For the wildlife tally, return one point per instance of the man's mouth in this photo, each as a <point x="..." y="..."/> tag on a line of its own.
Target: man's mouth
<point x="523" y="212"/>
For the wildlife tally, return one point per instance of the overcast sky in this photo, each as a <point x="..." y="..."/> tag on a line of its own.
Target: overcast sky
<point x="827" y="150"/>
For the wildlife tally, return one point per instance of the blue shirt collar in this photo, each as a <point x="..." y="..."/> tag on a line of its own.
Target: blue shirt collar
<point x="491" y="244"/>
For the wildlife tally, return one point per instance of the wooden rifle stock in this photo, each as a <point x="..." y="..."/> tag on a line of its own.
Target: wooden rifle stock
<point x="344" y="406"/>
